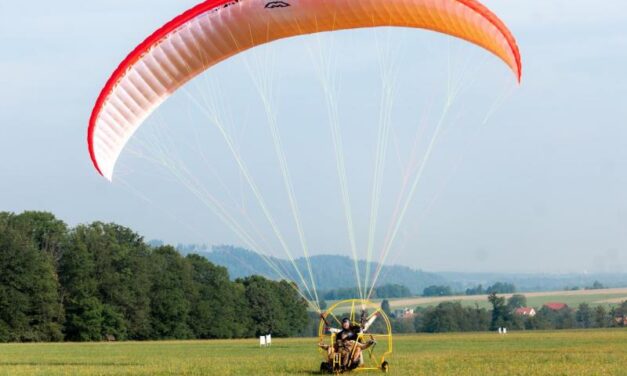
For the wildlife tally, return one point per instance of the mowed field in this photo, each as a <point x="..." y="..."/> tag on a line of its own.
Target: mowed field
<point x="584" y="352"/>
<point x="534" y="299"/>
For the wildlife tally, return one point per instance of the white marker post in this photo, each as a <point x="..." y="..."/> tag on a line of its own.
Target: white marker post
<point x="262" y="341"/>
<point x="269" y="340"/>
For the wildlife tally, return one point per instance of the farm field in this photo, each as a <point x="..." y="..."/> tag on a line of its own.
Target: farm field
<point x="589" y="352"/>
<point x="534" y="299"/>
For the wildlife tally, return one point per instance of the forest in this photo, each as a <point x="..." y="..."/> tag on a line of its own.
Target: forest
<point x="102" y="281"/>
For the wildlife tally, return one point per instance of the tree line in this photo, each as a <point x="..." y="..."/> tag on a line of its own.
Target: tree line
<point x="387" y="291"/>
<point x="455" y="317"/>
<point x="101" y="281"/>
<point x="390" y="291"/>
<point x="444" y="290"/>
<point x="496" y="288"/>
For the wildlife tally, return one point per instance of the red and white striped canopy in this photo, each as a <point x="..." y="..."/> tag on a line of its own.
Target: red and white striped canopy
<point x="218" y="29"/>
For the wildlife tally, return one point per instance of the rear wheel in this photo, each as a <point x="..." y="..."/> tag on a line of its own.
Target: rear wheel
<point x="325" y="367"/>
<point x="385" y="367"/>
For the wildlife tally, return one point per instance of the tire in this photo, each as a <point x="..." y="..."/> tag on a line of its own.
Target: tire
<point x="325" y="367"/>
<point x="385" y="367"/>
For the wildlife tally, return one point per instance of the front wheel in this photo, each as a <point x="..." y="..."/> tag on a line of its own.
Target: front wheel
<point x="325" y="367"/>
<point x="385" y="367"/>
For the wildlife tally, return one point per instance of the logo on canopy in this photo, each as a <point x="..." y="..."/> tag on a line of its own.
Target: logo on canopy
<point x="277" y="4"/>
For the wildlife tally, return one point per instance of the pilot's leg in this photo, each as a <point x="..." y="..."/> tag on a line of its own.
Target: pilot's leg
<point x="357" y="355"/>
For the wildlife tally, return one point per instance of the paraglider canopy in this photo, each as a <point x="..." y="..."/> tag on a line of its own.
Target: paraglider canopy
<point x="215" y="30"/>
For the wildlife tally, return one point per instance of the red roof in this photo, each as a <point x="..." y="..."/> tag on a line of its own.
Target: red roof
<point x="556" y="306"/>
<point x="525" y="311"/>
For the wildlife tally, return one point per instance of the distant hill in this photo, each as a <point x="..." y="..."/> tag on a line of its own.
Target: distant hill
<point x="326" y="269"/>
<point x="330" y="272"/>
<point x="534" y="281"/>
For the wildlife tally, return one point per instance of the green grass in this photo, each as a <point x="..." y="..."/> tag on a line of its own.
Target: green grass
<point x="590" y="352"/>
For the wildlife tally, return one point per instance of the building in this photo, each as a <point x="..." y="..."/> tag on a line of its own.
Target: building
<point x="405" y="313"/>
<point x="556" y="306"/>
<point x="525" y="311"/>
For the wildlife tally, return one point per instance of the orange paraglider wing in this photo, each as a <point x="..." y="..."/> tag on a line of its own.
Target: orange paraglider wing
<point x="218" y="29"/>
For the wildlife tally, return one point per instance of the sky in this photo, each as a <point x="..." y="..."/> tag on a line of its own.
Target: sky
<point x="540" y="188"/>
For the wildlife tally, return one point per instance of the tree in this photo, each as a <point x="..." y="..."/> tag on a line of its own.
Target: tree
<point x="565" y="319"/>
<point x="313" y="324"/>
<point x="47" y="232"/>
<point x="552" y="319"/>
<point x="294" y="306"/>
<point x="171" y="289"/>
<point x="264" y="307"/>
<point x="403" y="325"/>
<point x="84" y="311"/>
<point x="516" y="301"/>
<point x="275" y="307"/>
<point x="500" y="313"/>
<point x="501" y="288"/>
<point x="30" y="306"/>
<point x="596" y="286"/>
<point x="419" y="318"/>
<point x="116" y="279"/>
<point x="601" y="318"/>
<point x="619" y="315"/>
<point x="443" y="318"/>
<point x="540" y="321"/>
<point x="475" y="290"/>
<point x="122" y="262"/>
<point x="476" y="319"/>
<point x="385" y="307"/>
<point x="453" y="317"/>
<point x="391" y="291"/>
<point x="584" y="316"/>
<point x="381" y="292"/>
<point x="322" y="304"/>
<point x="218" y="308"/>
<point x="435" y="290"/>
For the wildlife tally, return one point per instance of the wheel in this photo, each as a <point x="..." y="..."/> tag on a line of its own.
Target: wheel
<point x="325" y="367"/>
<point x="337" y="368"/>
<point x="385" y="367"/>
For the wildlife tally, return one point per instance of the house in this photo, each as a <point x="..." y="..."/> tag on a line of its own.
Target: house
<point x="405" y="313"/>
<point x="621" y="320"/>
<point x="556" y="306"/>
<point x="525" y="311"/>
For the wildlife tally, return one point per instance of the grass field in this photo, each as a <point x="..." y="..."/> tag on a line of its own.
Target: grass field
<point x="590" y="352"/>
